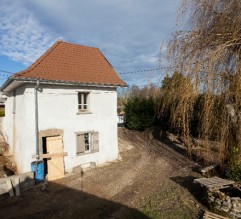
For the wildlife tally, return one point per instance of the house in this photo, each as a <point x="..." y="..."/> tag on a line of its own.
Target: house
<point x="63" y="109"/>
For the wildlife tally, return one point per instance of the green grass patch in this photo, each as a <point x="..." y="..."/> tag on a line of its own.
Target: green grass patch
<point x="2" y="112"/>
<point x="168" y="203"/>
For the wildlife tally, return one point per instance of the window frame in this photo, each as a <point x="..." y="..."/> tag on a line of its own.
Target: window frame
<point x="93" y="142"/>
<point x="88" y="142"/>
<point x="83" y="101"/>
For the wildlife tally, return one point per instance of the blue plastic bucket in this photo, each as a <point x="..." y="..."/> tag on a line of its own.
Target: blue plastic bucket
<point x="38" y="169"/>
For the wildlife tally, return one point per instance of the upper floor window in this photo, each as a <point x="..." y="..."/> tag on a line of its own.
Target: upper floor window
<point x="83" y="101"/>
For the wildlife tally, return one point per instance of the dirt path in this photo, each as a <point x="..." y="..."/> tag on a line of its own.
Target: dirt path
<point x="150" y="181"/>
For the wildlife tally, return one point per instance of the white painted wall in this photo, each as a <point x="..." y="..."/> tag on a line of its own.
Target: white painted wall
<point x="24" y="145"/>
<point x="58" y="108"/>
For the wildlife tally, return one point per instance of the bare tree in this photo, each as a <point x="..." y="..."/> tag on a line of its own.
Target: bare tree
<point x="207" y="48"/>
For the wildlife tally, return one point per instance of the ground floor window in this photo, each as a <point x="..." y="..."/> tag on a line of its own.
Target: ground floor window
<point x="87" y="142"/>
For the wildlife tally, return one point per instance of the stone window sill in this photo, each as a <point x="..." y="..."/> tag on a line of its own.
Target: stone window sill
<point x="85" y="153"/>
<point x="83" y="112"/>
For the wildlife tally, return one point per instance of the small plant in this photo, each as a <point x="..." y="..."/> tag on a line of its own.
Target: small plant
<point x="234" y="173"/>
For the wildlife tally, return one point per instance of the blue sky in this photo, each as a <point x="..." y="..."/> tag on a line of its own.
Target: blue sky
<point x="128" y="32"/>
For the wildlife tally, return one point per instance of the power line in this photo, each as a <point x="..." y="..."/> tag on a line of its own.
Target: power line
<point x="131" y="72"/>
<point x="146" y="70"/>
<point x="7" y="72"/>
<point x="4" y="75"/>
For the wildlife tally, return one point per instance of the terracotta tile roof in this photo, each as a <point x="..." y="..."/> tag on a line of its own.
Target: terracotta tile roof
<point x="72" y="63"/>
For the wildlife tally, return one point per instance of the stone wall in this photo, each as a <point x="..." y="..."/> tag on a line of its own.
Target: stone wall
<point x="221" y="201"/>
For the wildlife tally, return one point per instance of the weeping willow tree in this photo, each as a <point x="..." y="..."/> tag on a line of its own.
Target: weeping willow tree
<point x="207" y="49"/>
<point x="171" y="103"/>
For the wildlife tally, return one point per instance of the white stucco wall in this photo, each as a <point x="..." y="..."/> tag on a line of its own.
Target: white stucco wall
<point x="2" y="124"/>
<point x="9" y="119"/>
<point x="22" y="143"/>
<point x="58" y="109"/>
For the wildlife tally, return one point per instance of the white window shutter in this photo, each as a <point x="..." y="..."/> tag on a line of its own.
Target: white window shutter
<point x="95" y="142"/>
<point x="80" y="144"/>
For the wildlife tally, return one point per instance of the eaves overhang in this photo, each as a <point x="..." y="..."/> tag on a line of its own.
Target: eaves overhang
<point x="14" y="82"/>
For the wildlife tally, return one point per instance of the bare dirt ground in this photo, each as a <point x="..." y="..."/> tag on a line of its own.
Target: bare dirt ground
<point x="151" y="180"/>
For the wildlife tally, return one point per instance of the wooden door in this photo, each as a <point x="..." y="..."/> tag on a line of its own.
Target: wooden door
<point x="55" y="163"/>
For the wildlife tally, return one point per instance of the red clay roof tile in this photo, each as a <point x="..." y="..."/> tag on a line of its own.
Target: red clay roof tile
<point x="73" y="63"/>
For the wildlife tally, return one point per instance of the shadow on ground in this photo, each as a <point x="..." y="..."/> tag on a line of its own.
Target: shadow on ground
<point x="58" y="201"/>
<point x="161" y="135"/>
<point x="195" y="189"/>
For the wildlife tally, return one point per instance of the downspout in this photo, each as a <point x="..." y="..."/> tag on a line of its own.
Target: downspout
<point x="14" y="123"/>
<point x="36" y="120"/>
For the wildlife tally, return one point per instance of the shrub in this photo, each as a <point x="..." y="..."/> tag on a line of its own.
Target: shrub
<point x="234" y="173"/>
<point x="140" y="113"/>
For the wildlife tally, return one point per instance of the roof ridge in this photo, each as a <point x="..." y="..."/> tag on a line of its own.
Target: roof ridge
<point x="76" y="44"/>
<point x="39" y="60"/>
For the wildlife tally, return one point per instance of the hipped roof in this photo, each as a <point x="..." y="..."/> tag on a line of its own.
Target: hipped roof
<point x="72" y="63"/>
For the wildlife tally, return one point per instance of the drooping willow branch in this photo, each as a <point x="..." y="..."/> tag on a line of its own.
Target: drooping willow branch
<point x="208" y="52"/>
